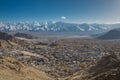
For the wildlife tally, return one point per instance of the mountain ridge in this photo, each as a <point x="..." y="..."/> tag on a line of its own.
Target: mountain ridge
<point x="112" y="34"/>
<point x="56" y="27"/>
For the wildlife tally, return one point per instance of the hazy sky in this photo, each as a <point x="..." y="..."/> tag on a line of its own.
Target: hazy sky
<point x="78" y="11"/>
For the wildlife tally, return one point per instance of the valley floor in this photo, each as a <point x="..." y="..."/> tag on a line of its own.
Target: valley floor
<point x="59" y="59"/>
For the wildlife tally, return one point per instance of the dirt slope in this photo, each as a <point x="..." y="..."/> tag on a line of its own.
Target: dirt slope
<point x="11" y="69"/>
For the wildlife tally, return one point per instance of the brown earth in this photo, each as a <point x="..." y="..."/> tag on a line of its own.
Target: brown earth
<point x="11" y="69"/>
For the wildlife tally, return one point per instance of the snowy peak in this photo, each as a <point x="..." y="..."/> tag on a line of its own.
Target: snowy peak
<point x="53" y="26"/>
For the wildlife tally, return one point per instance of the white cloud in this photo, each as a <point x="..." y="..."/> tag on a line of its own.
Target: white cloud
<point x="53" y="22"/>
<point x="63" y="17"/>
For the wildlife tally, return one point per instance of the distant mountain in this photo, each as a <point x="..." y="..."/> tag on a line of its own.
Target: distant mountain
<point x="57" y="27"/>
<point x="112" y="34"/>
<point x="24" y="35"/>
<point x="5" y="36"/>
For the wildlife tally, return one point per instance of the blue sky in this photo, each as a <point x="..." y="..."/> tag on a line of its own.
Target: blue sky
<point x="74" y="11"/>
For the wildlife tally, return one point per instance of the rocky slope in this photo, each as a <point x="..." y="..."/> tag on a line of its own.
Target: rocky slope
<point x="107" y="68"/>
<point x="8" y="42"/>
<point x="11" y="69"/>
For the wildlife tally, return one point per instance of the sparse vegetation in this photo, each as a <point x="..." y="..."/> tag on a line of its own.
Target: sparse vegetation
<point x="63" y="59"/>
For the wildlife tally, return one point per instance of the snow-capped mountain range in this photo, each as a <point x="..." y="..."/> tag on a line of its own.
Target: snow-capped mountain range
<point x="56" y="27"/>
